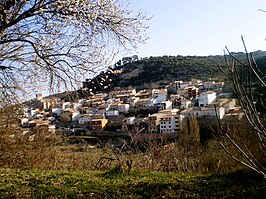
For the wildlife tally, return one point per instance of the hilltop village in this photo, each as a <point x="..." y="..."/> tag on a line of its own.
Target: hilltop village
<point x="155" y="111"/>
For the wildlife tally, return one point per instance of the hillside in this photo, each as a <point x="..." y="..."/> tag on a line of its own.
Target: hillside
<point x="160" y="71"/>
<point x="163" y="70"/>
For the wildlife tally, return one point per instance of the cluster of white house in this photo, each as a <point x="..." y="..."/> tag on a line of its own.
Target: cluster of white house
<point x="190" y="99"/>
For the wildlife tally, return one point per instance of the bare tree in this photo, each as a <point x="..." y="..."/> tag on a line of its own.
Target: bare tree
<point x="244" y="75"/>
<point x="57" y="42"/>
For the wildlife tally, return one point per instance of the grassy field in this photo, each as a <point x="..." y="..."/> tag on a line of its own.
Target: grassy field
<point x="16" y="183"/>
<point x="50" y="167"/>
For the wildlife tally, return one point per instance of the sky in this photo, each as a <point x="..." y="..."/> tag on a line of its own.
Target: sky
<point x="202" y="27"/>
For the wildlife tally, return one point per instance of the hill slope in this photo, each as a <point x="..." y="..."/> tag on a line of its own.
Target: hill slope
<point x="160" y="71"/>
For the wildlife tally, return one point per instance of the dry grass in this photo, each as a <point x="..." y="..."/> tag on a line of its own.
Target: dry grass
<point x="51" y="151"/>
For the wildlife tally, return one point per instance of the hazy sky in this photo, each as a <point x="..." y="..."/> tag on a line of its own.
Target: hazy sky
<point x="202" y="27"/>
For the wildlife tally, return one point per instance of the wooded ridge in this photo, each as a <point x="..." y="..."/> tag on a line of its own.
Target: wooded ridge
<point x="160" y="71"/>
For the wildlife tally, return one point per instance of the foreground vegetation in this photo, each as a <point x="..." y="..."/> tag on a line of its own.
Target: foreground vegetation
<point x="50" y="168"/>
<point x="115" y="183"/>
<point x="47" y="166"/>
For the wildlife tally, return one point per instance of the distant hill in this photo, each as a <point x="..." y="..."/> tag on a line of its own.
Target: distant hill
<point x="160" y="71"/>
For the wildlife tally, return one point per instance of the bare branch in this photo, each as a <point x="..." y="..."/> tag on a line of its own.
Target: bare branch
<point x="242" y="76"/>
<point x="61" y="41"/>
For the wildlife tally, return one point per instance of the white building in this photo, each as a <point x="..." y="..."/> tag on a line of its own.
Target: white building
<point x="133" y="101"/>
<point x="56" y="111"/>
<point x="206" y="111"/>
<point x="73" y="105"/>
<point x="158" y="96"/>
<point x="123" y="108"/>
<point x="228" y="104"/>
<point x="112" y="113"/>
<point x="154" y="122"/>
<point x="85" y="118"/>
<point x="75" y="116"/>
<point x="206" y="98"/>
<point x="174" y="111"/>
<point x="167" y="124"/>
<point x="208" y="85"/>
<point x="218" y="112"/>
<point x="102" y="109"/>
<point x="166" y="105"/>
<point x="171" y="123"/>
<point x="145" y="103"/>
